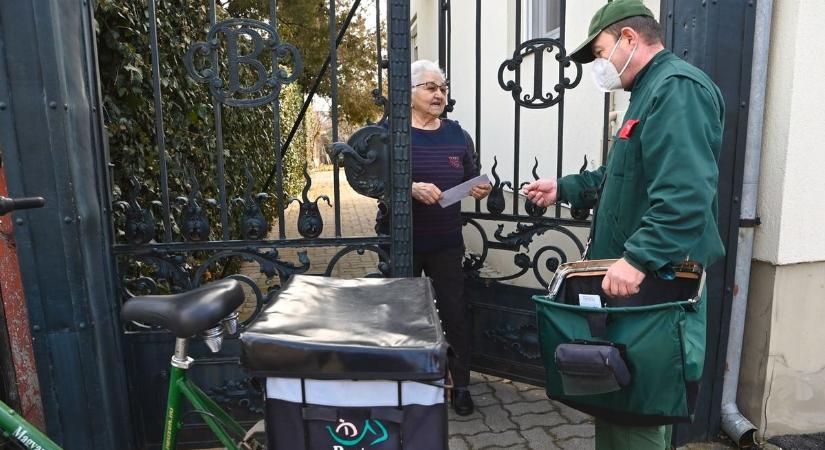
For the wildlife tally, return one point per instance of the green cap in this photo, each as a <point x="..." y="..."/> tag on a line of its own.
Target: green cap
<point x="607" y="15"/>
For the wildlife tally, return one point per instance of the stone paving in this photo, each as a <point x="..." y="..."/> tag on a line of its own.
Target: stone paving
<point x="509" y="415"/>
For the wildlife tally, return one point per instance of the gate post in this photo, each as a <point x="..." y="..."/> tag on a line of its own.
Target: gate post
<point x="53" y="145"/>
<point x="398" y="30"/>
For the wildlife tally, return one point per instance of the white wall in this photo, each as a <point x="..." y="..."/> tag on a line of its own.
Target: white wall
<point x="783" y="378"/>
<point x="791" y="174"/>
<point x="424" y="14"/>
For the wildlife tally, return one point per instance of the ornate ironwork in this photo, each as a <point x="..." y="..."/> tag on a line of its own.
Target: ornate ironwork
<point x="521" y="238"/>
<point x="140" y="222"/>
<point x="523" y="339"/>
<point x="365" y="160"/>
<point x="253" y="223"/>
<point x="194" y="225"/>
<point x="232" y="30"/>
<point x="175" y="274"/>
<point x="383" y="264"/>
<point x="243" y="393"/>
<point x="495" y="201"/>
<point x="538" y="98"/>
<point x="310" y="222"/>
<point x="583" y="213"/>
<point x="531" y="208"/>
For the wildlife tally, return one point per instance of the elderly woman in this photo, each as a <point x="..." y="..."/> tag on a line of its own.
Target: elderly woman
<point x="443" y="156"/>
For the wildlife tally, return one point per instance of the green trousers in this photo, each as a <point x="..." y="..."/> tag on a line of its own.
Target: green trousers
<point x="618" y="437"/>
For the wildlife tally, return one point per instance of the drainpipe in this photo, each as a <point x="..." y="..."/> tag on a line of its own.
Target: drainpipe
<point x="734" y="424"/>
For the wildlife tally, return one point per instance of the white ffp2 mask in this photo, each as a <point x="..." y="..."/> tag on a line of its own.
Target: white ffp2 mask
<point x="605" y="75"/>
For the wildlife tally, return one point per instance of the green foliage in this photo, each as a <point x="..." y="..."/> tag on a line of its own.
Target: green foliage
<point x="188" y="114"/>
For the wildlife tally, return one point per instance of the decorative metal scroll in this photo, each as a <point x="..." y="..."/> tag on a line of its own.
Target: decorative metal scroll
<point x="531" y="208"/>
<point x="194" y="224"/>
<point x="495" y="201"/>
<point x="523" y="340"/>
<point x="547" y="257"/>
<point x="239" y="393"/>
<point x="538" y="99"/>
<point x="253" y="224"/>
<point x="310" y="222"/>
<point x="140" y="222"/>
<point x="234" y="93"/>
<point x="163" y="273"/>
<point x="365" y="160"/>
<point x="587" y="195"/>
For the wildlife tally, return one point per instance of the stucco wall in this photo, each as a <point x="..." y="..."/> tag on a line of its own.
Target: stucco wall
<point x="782" y="384"/>
<point x="791" y="179"/>
<point x="783" y="371"/>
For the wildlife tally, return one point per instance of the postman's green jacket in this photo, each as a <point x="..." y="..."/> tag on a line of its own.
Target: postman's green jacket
<point x="658" y="204"/>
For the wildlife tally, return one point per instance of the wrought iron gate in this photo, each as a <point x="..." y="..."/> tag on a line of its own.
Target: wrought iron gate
<point x="537" y="76"/>
<point x="244" y="63"/>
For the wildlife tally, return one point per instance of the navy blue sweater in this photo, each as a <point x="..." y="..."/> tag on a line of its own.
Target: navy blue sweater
<point x="443" y="157"/>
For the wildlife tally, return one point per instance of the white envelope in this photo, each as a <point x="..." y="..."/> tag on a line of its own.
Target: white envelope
<point x="456" y="193"/>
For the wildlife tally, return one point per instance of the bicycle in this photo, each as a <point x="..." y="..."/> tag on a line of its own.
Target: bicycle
<point x="209" y="310"/>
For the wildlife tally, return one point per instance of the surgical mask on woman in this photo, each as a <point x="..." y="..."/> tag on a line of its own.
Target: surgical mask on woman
<point x="605" y="75"/>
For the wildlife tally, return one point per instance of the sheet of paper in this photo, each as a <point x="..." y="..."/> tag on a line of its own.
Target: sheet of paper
<point x="590" y="301"/>
<point x="456" y="193"/>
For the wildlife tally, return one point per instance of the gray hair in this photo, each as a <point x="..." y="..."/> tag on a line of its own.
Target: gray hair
<point x="422" y="66"/>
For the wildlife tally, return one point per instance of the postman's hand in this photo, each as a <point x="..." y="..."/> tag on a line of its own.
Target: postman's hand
<point x="542" y="192"/>
<point x="622" y="279"/>
<point x="426" y="193"/>
<point x="481" y="190"/>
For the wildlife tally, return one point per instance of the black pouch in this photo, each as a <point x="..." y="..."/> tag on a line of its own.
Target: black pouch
<point x="591" y="368"/>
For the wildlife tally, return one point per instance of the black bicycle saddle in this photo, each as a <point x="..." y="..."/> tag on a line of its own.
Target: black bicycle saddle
<point x="188" y="313"/>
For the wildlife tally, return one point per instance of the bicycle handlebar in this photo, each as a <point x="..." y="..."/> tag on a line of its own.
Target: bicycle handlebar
<point x="8" y="205"/>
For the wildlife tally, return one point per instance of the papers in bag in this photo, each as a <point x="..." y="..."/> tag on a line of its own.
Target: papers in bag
<point x="456" y="193"/>
<point x="590" y="301"/>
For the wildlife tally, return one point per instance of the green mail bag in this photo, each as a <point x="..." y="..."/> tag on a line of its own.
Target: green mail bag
<point x="659" y="333"/>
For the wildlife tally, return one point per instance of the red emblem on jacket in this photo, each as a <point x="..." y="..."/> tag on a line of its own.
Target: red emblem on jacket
<point x="627" y="129"/>
<point x="455" y="161"/>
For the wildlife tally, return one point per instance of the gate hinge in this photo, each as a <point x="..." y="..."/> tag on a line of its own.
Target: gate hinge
<point x="750" y="223"/>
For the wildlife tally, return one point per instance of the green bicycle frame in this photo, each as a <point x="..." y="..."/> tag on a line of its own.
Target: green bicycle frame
<point x="27" y="435"/>
<point x="221" y="423"/>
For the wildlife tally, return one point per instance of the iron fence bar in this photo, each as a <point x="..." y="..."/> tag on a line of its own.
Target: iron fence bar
<point x="217" y="110"/>
<point x="276" y="125"/>
<point x="478" y="92"/>
<point x="311" y="94"/>
<point x="398" y="30"/>
<point x="333" y="81"/>
<point x="449" y="14"/>
<point x="560" y="133"/>
<point x="378" y="46"/>
<point x="180" y="247"/>
<point x="517" y="118"/>
<point x="160" y="136"/>
<point x="442" y="36"/>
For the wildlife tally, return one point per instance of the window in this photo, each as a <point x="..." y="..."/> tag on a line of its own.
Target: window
<point x="414" y="37"/>
<point x="542" y="19"/>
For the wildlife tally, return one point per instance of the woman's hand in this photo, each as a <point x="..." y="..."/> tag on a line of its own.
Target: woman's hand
<point x="480" y="191"/>
<point x="426" y="193"/>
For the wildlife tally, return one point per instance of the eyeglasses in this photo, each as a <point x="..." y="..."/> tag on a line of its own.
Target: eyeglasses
<point x="431" y="86"/>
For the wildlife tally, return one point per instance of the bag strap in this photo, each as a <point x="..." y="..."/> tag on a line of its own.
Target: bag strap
<point x="598" y="193"/>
